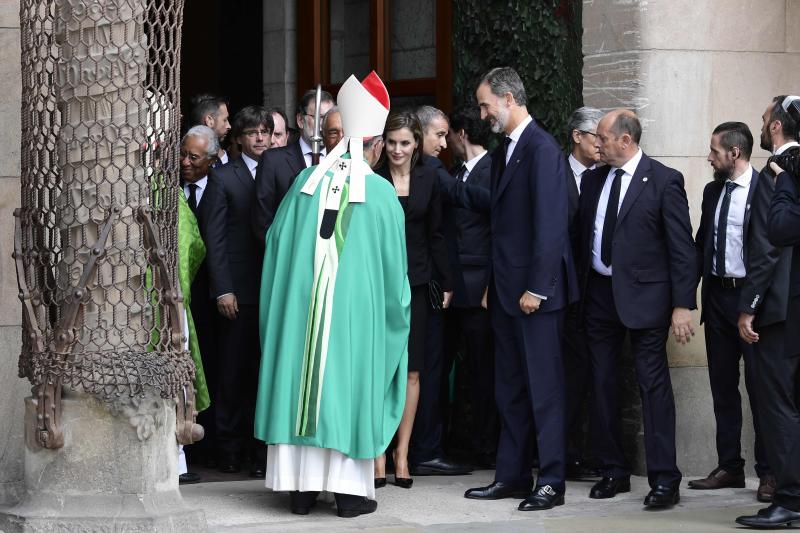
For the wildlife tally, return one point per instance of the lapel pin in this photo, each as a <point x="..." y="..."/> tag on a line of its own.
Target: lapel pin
<point x="644" y="178"/>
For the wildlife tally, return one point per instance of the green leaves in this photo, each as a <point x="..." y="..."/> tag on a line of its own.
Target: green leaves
<point x="540" y="39"/>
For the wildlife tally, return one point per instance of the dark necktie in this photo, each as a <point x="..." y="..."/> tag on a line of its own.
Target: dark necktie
<point x="506" y="143"/>
<point x="192" y="201"/>
<point x="722" y="228"/>
<point x="461" y="172"/>
<point x="610" y="221"/>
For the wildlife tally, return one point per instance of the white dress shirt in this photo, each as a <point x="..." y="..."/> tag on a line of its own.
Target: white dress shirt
<point x="223" y="159"/>
<point x="578" y="169"/>
<point x="198" y="194"/>
<point x="734" y="235"/>
<point x="306" y="149"/>
<point x="515" y="135"/>
<point x="251" y="163"/>
<point x="469" y="165"/>
<point x="786" y="146"/>
<point x="600" y="217"/>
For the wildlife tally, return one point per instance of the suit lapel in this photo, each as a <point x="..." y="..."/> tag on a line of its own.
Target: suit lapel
<point x="297" y="163"/>
<point x="640" y="179"/>
<point x="514" y="162"/>
<point x="241" y="171"/>
<point x="754" y="182"/>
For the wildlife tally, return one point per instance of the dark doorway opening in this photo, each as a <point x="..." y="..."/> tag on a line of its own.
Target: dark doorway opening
<point x="222" y="52"/>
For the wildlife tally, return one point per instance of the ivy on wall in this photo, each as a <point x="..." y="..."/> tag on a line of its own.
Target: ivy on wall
<point x="540" y="39"/>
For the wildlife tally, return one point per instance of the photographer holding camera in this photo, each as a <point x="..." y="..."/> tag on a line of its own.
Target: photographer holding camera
<point x="778" y="368"/>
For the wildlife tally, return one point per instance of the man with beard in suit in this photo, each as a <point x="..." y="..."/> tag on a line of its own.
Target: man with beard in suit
<point x="233" y="257"/>
<point x="637" y="264"/>
<point x="277" y="168"/>
<point x="467" y="236"/>
<point x="532" y="280"/>
<point x="212" y="111"/>
<point x="778" y="344"/>
<point x="583" y="157"/>
<point x="738" y="266"/>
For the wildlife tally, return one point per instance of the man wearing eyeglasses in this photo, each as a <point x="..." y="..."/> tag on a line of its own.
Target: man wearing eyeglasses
<point x="234" y="266"/>
<point x="277" y="168"/>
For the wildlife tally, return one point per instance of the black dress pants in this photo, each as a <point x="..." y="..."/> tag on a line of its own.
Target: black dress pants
<point x="577" y="383"/>
<point x="471" y="328"/>
<point x="426" y="436"/>
<point x="240" y="358"/>
<point x="605" y="334"/>
<point x="204" y="313"/>
<point x="725" y="348"/>
<point x="778" y="383"/>
<point x="529" y="388"/>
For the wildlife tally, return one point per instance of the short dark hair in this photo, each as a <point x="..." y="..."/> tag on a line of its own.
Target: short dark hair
<point x="735" y="134"/>
<point x="468" y="118"/>
<point x="309" y="96"/>
<point x="789" y="126"/>
<point x="627" y="122"/>
<point x="502" y="80"/>
<point x="278" y="111"/>
<point x="406" y="119"/>
<point x="251" y="116"/>
<point x="203" y="105"/>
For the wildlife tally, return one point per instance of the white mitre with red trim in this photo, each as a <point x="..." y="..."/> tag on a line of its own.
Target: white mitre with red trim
<point x="364" y="107"/>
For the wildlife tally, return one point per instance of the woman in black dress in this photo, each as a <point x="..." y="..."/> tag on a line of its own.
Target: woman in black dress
<point x="417" y="189"/>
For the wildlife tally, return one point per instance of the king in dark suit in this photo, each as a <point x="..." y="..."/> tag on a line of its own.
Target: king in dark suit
<point x="737" y="264"/>
<point x="233" y="257"/>
<point x="531" y="281"/>
<point x="637" y="264"/>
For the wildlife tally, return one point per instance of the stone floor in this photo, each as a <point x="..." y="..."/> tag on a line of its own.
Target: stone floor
<point x="436" y="504"/>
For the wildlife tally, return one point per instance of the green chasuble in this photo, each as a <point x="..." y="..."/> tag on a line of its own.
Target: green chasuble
<point x="341" y="386"/>
<point x="191" y="252"/>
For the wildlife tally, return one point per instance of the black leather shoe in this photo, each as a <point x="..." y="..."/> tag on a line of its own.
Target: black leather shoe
<point x="403" y="482"/>
<point x="257" y="472"/>
<point x="302" y="502"/>
<point x="662" y="496"/>
<point x="229" y="468"/>
<point x="577" y="470"/>
<point x="188" y="478"/>
<point x="544" y="497"/>
<point x="380" y="482"/>
<point x="772" y="516"/>
<point x="439" y="466"/>
<point x="608" y="487"/>
<point x="499" y="490"/>
<point x="364" y="506"/>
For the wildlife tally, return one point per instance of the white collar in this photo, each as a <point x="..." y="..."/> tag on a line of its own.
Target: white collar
<point x="743" y="179"/>
<point x="515" y="135"/>
<point x="201" y="183"/>
<point x="630" y="166"/>
<point x="306" y="149"/>
<point x="577" y="167"/>
<point x="474" y="161"/>
<point x="786" y="146"/>
<point x="250" y="163"/>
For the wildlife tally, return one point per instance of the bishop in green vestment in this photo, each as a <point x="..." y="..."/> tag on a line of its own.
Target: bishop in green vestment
<point x="334" y="318"/>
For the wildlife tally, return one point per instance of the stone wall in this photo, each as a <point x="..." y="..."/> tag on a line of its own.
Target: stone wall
<point x="686" y="66"/>
<point x="280" y="55"/>
<point x="12" y="388"/>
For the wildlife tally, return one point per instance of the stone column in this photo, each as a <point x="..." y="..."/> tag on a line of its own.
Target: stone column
<point x="686" y="66"/>
<point x="280" y="55"/>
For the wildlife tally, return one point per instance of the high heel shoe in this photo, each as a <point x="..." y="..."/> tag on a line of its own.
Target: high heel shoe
<point x="380" y="482"/>
<point x="403" y="482"/>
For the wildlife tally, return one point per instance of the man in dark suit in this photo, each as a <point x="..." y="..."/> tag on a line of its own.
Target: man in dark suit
<point x="278" y="167"/>
<point x="426" y="454"/>
<point x="637" y="264"/>
<point x="233" y="256"/>
<point x="737" y="264"/>
<point x="778" y="345"/>
<point x="532" y="280"/>
<point x="467" y="236"/>
<point x="199" y="149"/>
<point x="583" y="157"/>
